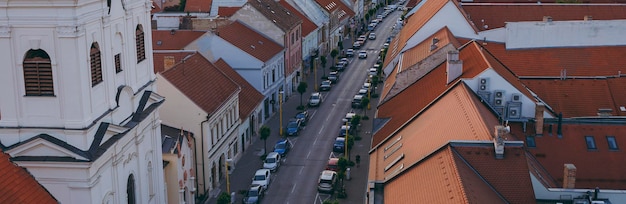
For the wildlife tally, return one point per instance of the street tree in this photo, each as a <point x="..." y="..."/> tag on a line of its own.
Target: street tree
<point x="364" y="102"/>
<point x="334" y="54"/>
<point x="265" y="133"/>
<point x="224" y="198"/>
<point x="323" y="62"/>
<point x="301" y="89"/>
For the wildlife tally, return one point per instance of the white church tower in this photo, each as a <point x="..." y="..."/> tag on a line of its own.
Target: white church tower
<point x="78" y="104"/>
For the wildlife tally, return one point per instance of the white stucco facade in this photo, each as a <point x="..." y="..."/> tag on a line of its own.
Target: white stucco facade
<point x="84" y="140"/>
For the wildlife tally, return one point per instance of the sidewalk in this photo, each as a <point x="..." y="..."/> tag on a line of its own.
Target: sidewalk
<point x="249" y="162"/>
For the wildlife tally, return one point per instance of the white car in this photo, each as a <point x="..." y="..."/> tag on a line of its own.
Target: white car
<point x="372" y="36"/>
<point x="262" y="177"/>
<point x="373" y="72"/>
<point x="315" y="99"/>
<point x="272" y="161"/>
<point x="362" y="54"/>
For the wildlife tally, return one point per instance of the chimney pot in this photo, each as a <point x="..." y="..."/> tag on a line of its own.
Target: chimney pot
<point x="569" y="176"/>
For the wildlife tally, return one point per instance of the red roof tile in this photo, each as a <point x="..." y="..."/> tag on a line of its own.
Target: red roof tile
<point x="200" y="6"/>
<point x="425" y="91"/>
<point x="580" y="97"/>
<point x="509" y="176"/>
<point x="577" y="61"/>
<point x="599" y="167"/>
<point x="496" y="15"/>
<point x="162" y="58"/>
<point x="165" y="40"/>
<point x="17" y="185"/>
<point x="249" y="97"/>
<point x="227" y="11"/>
<point x="307" y="25"/>
<point x="331" y="6"/>
<point x="276" y="13"/>
<point x="202" y="82"/>
<point x="250" y="41"/>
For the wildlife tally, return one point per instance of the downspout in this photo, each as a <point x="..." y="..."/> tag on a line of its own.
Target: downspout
<point x="196" y="152"/>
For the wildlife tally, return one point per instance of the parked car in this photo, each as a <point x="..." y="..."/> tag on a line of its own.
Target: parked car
<point x="272" y="161"/>
<point x="363" y="91"/>
<point x="254" y="195"/>
<point x="340" y="66"/>
<point x="262" y="177"/>
<point x="356" y="101"/>
<point x="345" y="61"/>
<point x="372" y="36"/>
<point x="342" y="130"/>
<point x="327" y="181"/>
<point x="293" y="127"/>
<point x="303" y="116"/>
<point x="325" y="86"/>
<point x="315" y="99"/>
<point x="362" y="54"/>
<point x="333" y="164"/>
<point x="356" y="45"/>
<point x="373" y="72"/>
<point x="333" y="77"/>
<point x="339" y="144"/>
<point x="282" y="147"/>
<point x="348" y="117"/>
<point x="350" y="53"/>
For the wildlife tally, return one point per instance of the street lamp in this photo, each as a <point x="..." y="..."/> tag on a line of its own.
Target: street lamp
<point x="346" y="142"/>
<point x="280" y="112"/>
<point x="315" y="73"/>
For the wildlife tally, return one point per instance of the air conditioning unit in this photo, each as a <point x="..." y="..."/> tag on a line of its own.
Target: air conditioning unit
<point x="498" y="98"/>
<point x="514" y="112"/>
<point x="516" y="97"/>
<point x="483" y="84"/>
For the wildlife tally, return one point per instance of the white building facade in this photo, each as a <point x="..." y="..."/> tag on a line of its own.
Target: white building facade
<point x="79" y="108"/>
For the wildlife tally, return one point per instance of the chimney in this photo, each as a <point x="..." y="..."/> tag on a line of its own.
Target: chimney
<point x="498" y="140"/>
<point x="168" y="62"/>
<point x="547" y="19"/>
<point x="588" y="18"/>
<point x="569" y="176"/>
<point x="539" y="108"/>
<point x="454" y="66"/>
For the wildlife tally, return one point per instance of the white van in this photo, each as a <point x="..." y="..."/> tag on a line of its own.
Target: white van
<point x="272" y="161"/>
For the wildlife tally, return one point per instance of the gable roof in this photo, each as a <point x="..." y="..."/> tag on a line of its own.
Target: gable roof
<point x="457" y="115"/>
<point x="249" y="97"/>
<point x="600" y="167"/>
<point x="307" y="25"/>
<point x="581" y="97"/>
<point x="198" y="6"/>
<point x="273" y="11"/>
<point x="17" y="185"/>
<point x="425" y="90"/>
<point x="331" y="6"/>
<point x="495" y="15"/>
<point x="250" y="41"/>
<point x="173" y="39"/>
<point x="202" y="82"/>
<point x="171" y="138"/>
<point x="227" y="11"/>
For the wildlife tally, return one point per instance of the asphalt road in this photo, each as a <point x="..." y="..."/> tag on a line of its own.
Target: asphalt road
<point x="295" y="182"/>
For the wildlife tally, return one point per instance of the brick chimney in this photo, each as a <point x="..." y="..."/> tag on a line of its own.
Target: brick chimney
<point x="569" y="176"/>
<point x="498" y="140"/>
<point x="454" y="66"/>
<point x="539" y="108"/>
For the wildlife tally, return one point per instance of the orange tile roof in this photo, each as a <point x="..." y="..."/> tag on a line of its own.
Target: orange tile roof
<point x="276" y="13"/>
<point x="200" y="6"/>
<point x="227" y="11"/>
<point x="249" y="97"/>
<point x="413" y="24"/>
<point x="601" y="167"/>
<point x="580" y="97"/>
<point x="496" y="15"/>
<point x="457" y="115"/>
<point x="411" y="58"/>
<point x="165" y="40"/>
<point x="17" y="185"/>
<point x="440" y="178"/>
<point x="250" y="41"/>
<point x="202" y="82"/>
<point x="509" y="176"/>
<point x="424" y="91"/>
<point x="331" y="5"/>
<point x="307" y="25"/>
<point x="577" y="61"/>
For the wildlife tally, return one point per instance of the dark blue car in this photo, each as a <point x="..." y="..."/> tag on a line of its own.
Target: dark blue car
<point x="293" y="127"/>
<point x="282" y="147"/>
